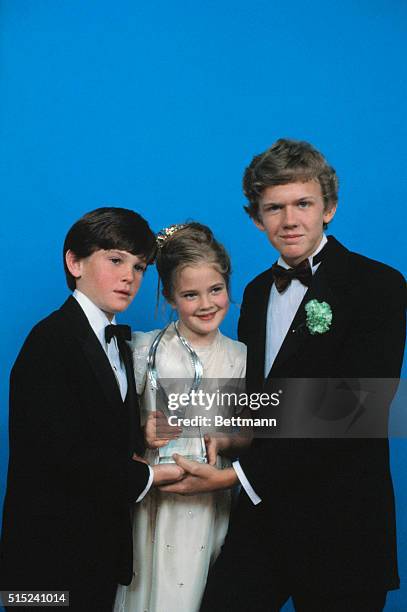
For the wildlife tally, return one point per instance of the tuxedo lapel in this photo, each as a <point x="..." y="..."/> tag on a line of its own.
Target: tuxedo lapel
<point x="100" y="365"/>
<point x="328" y="284"/>
<point x="95" y="355"/>
<point x="257" y="325"/>
<point x="136" y="438"/>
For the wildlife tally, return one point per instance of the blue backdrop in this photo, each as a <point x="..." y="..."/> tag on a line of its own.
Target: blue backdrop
<point x="159" y="107"/>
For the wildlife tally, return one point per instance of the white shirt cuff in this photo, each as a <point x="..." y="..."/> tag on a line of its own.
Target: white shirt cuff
<point x="148" y="485"/>
<point x="245" y="483"/>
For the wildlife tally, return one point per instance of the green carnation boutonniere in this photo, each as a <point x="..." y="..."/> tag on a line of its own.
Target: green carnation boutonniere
<point x="319" y="316"/>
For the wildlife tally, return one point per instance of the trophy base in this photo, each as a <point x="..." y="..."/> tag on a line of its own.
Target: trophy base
<point x="169" y="459"/>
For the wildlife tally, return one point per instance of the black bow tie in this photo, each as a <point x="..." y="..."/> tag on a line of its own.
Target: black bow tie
<point x="283" y="277"/>
<point x="122" y="332"/>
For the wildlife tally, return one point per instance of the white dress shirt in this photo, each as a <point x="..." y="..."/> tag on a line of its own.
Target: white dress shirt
<point x="281" y="310"/>
<point x="98" y="321"/>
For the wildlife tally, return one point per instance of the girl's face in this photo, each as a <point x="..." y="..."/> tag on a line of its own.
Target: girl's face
<point x="201" y="299"/>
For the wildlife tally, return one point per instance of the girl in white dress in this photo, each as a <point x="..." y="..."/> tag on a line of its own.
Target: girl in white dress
<point x="177" y="538"/>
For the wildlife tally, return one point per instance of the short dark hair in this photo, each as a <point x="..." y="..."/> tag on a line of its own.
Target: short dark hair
<point x="288" y="161"/>
<point x="188" y="245"/>
<point x="109" y="228"/>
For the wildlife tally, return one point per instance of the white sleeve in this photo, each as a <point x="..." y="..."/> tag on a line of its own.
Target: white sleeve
<point x="245" y="483"/>
<point x="148" y="486"/>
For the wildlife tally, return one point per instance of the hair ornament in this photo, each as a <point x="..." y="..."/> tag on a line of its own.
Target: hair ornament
<point x="166" y="233"/>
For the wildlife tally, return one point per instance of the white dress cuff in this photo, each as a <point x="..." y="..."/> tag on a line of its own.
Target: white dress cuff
<point x="148" y="485"/>
<point x="245" y="483"/>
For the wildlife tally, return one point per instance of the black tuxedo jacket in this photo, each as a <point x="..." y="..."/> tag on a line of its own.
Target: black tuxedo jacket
<point x="66" y="519"/>
<point x="326" y="523"/>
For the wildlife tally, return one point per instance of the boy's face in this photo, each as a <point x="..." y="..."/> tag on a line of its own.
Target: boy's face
<point x="110" y="278"/>
<point x="292" y="216"/>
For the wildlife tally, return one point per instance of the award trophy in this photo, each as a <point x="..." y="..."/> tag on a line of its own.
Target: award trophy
<point x="191" y="443"/>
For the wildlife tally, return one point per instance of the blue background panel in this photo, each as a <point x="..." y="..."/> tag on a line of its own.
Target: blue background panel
<point x="160" y="106"/>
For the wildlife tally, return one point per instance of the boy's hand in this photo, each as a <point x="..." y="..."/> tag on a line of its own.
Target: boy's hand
<point x="137" y="457"/>
<point x="157" y="431"/>
<point x="200" y="478"/>
<point x="167" y="473"/>
<point x="163" y="473"/>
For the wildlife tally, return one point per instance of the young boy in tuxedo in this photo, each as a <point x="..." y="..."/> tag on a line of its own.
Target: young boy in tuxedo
<point x="74" y="425"/>
<point x="315" y="519"/>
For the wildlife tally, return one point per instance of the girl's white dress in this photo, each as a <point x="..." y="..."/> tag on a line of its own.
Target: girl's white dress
<point x="176" y="538"/>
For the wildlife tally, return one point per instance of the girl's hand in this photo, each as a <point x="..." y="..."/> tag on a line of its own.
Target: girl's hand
<point x="214" y="445"/>
<point x="227" y="445"/>
<point x="158" y="432"/>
